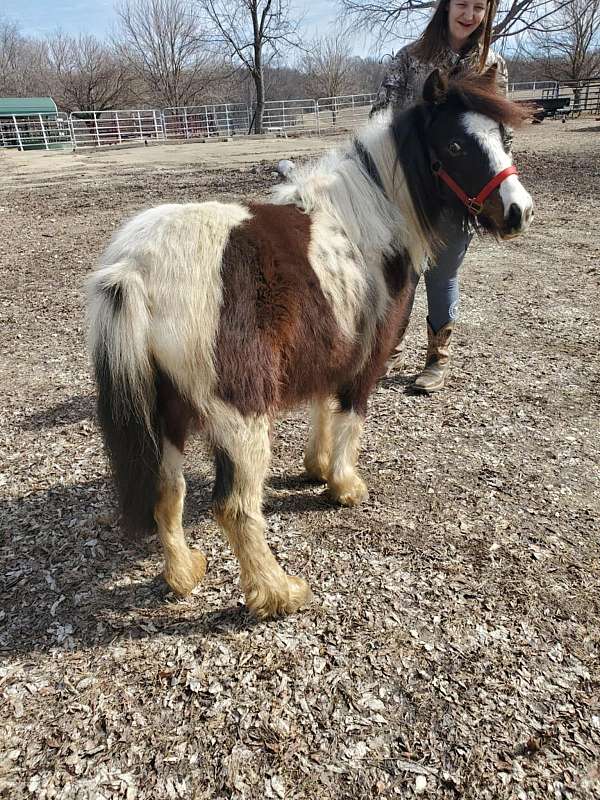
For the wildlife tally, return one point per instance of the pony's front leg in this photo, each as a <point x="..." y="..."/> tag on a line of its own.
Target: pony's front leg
<point x="343" y="481"/>
<point x="184" y="568"/>
<point x="317" y="456"/>
<point x="242" y="454"/>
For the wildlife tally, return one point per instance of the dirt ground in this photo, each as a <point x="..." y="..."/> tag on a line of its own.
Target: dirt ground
<point x="453" y="646"/>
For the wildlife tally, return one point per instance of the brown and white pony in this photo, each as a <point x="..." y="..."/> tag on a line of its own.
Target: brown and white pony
<point x="214" y="317"/>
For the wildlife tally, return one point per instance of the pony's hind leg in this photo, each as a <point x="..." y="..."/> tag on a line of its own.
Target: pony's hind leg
<point x="242" y="453"/>
<point x="343" y="481"/>
<point x="317" y="456"/>
<point x="184" y="568"/>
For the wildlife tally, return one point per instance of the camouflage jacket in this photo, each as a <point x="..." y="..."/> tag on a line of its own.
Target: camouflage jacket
<point x="403" y="82"/>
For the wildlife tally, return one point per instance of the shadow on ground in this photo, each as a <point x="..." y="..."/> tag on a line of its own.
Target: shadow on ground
<point x="71" y="580"/>
<point x="75" y="409"/>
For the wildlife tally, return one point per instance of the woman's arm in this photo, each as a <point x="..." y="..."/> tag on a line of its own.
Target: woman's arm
<point x="394" y="89"/>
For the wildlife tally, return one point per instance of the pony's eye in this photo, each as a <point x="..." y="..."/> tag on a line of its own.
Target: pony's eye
<point x="454" y="148"/>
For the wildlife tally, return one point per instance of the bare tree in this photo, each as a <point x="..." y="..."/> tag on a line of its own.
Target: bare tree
<point x="329" y="67"/>
<point x="253" y="32"/>
<point x="370" y="74"/>
<point x="87" y="74"/>
<point x="403" y="19"/>
<point x="10" y="44"/>
<point x="23" y="63"/>
<point x="167" y="48"/>
<point x="573" y="52"/>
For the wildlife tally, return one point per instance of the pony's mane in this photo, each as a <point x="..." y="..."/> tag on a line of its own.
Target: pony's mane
<point x="479" y="93"/>
<point x="339" y="185"/>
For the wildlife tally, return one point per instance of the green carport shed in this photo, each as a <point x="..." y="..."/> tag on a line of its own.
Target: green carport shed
<point x="33" y="123"/>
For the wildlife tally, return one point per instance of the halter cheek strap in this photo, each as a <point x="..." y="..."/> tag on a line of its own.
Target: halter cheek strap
<point x="473" y="204"/>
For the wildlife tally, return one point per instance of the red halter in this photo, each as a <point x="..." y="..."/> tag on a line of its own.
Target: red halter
<point x="474" y="204"/>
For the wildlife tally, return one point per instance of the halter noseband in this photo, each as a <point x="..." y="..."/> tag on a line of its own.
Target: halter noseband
<point x="473" y="204"/>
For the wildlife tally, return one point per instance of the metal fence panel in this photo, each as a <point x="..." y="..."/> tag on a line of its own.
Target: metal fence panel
<point x="217" y="119"/>
<point x="533" y="88"/>
<point x="344" y="113"/>
<point x="35" y="131"/>
<point x="582" y="97"/>
<point x="96" y="128"/>
<point x="290" y="117"/>
<point x="585" y="96"/>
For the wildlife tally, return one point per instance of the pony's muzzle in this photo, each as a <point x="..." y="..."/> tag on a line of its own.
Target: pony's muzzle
<point x="518" y="210"/>
<point x="518" y="218"/>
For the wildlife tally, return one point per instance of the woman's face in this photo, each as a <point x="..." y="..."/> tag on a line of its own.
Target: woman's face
<point x="464" y="17"/>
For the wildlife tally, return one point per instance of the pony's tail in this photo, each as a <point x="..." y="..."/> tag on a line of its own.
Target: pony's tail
<point x="119" y="323"/>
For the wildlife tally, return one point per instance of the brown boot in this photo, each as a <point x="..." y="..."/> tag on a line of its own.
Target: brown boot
<point x="433" y="377"/>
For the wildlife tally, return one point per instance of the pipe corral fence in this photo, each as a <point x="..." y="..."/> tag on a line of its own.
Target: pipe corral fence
<point x="327" y="115"/>
<point x="96" y="128"/>
<point x="216" y="119"/>
<point x="35" y="131"/>
<point x="583" y="96"/>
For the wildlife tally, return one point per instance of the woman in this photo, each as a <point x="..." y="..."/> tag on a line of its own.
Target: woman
<point x="457" y="38"/>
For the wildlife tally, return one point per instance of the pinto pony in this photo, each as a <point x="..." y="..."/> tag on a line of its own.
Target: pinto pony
<point x="214" y="317"/>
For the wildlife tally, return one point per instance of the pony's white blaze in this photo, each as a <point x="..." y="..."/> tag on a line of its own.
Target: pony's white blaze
<point x="512" y="192"/>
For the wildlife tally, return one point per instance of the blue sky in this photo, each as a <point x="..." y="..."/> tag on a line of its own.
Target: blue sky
<point x="39" y="17"/>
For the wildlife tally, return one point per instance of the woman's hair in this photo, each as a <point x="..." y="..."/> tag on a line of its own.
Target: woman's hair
<point x="434" y="40"/>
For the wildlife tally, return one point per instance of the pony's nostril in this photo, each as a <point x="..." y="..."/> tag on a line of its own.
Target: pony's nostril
<point x="515" y="216"/>
<point x="528" y="215"/>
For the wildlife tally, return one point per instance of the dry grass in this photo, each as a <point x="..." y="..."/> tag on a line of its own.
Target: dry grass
<point x="453" y="646"/>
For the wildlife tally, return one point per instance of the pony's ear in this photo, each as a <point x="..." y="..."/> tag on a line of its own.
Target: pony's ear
<point x="435" y="88"/>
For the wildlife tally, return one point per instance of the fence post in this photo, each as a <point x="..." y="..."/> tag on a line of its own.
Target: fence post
<point x="96" y="128"/>
<point x="157" y="133"/>
<point x="72" y="130"/>
<point x="185" y="123"/>
<point x="18" y="133"/>
<point x="43" y="132"/>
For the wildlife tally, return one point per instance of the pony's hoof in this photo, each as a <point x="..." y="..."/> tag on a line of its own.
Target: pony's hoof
<point x="350" y="492"/>
<point x="300" y="594"/>
<point x="316" y="468"/>
<point x="266" y="602"/>
<point x="184" y="577"/>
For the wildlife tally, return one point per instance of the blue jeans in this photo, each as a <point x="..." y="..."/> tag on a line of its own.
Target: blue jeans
<point x="441" y="279"/>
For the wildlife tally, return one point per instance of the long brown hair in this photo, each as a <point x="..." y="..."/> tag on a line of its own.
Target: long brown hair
<point x="434" y="40"/>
